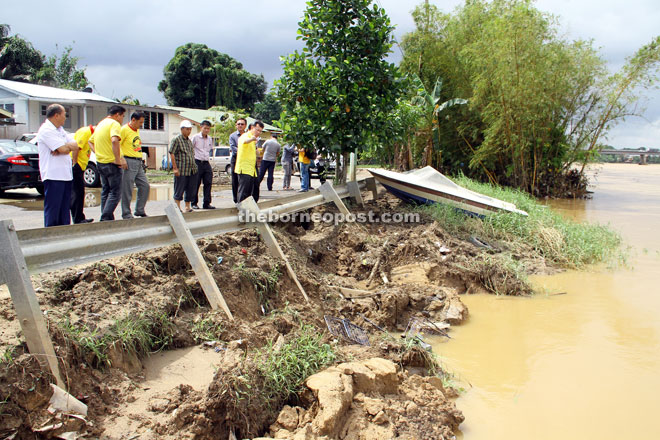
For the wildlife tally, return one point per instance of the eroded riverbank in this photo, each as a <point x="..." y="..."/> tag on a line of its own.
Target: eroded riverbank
<point x="580" y="365"/>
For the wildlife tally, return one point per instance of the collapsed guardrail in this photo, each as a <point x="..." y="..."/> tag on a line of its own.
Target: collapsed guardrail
<point x="40" y="250"/>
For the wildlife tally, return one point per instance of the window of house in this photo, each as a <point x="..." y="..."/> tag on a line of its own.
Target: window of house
<point x="8" y="107"/>
<point x="67" y="110"/>
<point x="154" y="121"/>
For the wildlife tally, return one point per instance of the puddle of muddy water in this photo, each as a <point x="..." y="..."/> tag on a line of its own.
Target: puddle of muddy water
<point x="580" y="365"/>
<point x="163" y="371"/>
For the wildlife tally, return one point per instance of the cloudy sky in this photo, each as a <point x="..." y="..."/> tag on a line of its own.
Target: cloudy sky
<point x="125" y="45"/>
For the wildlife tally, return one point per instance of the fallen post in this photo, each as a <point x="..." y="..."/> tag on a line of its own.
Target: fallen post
<point x="266" y="232"/>
<point x="196" y="259"/>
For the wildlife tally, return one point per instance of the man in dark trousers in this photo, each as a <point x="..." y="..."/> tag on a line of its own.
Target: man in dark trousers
<point x="246" y="163"/>
<point x="233" y="148"/>
<point x="80" y="160"/>
<point x="203" y="143"/>
<point x="271" y="150"/>
<point x="55" y="166"/>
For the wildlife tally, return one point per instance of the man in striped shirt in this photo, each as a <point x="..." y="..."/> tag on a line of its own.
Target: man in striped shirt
<point x="183" y="165"/>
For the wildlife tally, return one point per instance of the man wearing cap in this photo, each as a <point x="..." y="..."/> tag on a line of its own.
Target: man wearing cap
<point x="202" y="143"/>
<point x="80" y="160"/>
<point x="131" y="149"/>
<point x="183" y="165"/>
<point x="109" y="161"/>
<point x="55" y="168"/>
<point x="233" y="148"/>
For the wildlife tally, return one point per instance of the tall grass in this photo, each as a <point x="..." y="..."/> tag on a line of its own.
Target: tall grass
<point x="562" y="241"/>
<point x="285" y="369"/>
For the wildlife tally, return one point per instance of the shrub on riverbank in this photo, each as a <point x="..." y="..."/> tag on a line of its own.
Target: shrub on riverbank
<point x="562" y="241"/>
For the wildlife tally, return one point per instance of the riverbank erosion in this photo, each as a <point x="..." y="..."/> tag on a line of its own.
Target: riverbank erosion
<point x="276" y="369"/>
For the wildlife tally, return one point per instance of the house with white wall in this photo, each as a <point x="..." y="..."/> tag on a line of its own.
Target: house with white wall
<point x="28" y="103"/>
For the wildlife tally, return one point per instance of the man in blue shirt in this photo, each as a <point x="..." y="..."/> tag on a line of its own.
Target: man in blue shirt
<point x="233" y="148"/>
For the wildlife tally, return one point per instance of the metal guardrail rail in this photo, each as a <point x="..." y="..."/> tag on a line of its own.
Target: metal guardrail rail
<point x="48" y="249"/>
<point x="41" y="250"/>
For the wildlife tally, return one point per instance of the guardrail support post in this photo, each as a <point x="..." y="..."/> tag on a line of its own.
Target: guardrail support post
<point x="371" y="186"/>
<point x="330" y="195"/>
<point x="354" y="191"/>
<point x="14" y="273"/>
<point x="196" y="259"/>
<point x="250" y="206"/>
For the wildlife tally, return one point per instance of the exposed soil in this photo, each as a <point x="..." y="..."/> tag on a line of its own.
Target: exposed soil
<point x="413" y="270"/>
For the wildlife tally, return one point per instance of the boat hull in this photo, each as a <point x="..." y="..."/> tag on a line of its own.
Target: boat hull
<point x="460" y="198"/>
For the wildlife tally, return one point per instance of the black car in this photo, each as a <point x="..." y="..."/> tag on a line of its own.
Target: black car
<point x="19" y="165"/>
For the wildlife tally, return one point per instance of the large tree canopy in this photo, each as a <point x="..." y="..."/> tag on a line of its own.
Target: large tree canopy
<point x="538" y="103"/>
<point x="200" y="77"/>
<point x="20" y="61"/>
<point x="339" y="91"/>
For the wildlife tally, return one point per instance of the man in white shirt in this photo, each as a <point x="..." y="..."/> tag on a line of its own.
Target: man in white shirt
<point x="202" y="144"/>
<point x="55" y="166"/>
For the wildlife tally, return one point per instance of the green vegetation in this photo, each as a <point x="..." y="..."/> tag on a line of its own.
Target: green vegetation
<point x="265" y="283"/>
<point x="200" y="77"/>
<point x="207" y="329"/>
<point x="560" y="240"/>
<point x="339" y="90"/>
<point x="538" y="103"/>
<point x="20" y="61"/>
<point x="141" y="334"/>
<point x="284" y="369"/>
<point x="160" y="176"/>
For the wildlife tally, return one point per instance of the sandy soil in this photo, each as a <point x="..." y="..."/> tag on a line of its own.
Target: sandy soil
<point x="413" y="271"/>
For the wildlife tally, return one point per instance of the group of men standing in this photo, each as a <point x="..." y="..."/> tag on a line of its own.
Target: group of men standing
<point x="63" y="159"/>
<point x="191" y="167"/>
<point x="245" y="178"/>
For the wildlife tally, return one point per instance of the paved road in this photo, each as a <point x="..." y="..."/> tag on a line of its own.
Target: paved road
<point x="26" y="207"/>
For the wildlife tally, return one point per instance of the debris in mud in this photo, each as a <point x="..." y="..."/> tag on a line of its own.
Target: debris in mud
<point x="105" y="318"/>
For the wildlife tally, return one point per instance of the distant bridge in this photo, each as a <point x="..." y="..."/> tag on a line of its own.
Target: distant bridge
<point x="641" y="153"/>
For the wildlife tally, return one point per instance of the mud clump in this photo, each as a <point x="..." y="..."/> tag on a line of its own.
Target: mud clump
<point x="369" y="400"/>
<point x="106" y="318"/>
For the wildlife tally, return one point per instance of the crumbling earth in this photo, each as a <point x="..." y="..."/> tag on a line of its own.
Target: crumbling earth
<point x="396" y="271"/>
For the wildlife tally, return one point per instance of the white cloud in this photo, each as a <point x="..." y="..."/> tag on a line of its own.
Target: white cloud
<point x="126" y="44"/>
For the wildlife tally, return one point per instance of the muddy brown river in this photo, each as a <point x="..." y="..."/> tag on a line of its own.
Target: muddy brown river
<point x="581" y="365"/>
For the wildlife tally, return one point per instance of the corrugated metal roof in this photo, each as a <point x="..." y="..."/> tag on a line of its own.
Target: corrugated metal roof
<point x="50" y="93"/>
<point x="198" y="115"/>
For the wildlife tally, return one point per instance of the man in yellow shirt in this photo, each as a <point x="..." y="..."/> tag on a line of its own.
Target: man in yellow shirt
<point x="246" y="163"/>
<point x="109" y="162"/>
<point x="131" y="149"/>
<point x="303" y="162"/>
<point x="80" y="159"/>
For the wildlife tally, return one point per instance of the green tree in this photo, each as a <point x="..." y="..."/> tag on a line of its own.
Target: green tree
<point x="225" y="123"/>
<point x="62" y="72"/>
<point x="537" y="102"/>
<point x="268" y="110"/>
<point x="338" y="92"/>
<point x="19" y="60"/>
<point x="432" y="105"/>
<point x="200" y="77"/>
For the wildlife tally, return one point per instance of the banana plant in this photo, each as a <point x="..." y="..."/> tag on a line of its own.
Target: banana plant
<point x="432" y="106"/>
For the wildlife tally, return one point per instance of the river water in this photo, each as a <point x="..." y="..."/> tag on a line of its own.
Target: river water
<point x="579" y="365"/>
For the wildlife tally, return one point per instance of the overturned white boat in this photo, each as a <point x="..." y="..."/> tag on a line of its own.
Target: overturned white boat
<point x="427" y="185"/>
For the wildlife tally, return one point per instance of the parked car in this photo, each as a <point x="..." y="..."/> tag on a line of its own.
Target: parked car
<point x="91" y="174"/>
<point x="28" y="137"/>
<point x="19" y="165"/>
<point x="220" y="158"/>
